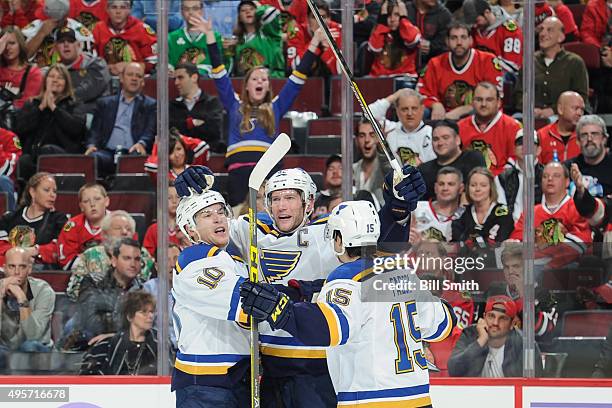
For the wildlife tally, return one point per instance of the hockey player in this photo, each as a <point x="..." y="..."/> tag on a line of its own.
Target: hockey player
<point x="365" y="337"/>
<point x="501" y="37"/>
<point x="212" y="360"/>
<point x="449" y="79"/>
<point x="293" y="249"/>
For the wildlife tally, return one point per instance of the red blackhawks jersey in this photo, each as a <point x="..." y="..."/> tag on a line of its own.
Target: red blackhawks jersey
<point x="380" y="42"/>
<point x="136" y="42"/>
<point x="298" y="39"/>
<point x="10" y="151"/>
<point x="561" y="234"/>
<point x="200" y="149"/>
<point x="150" y="239"/>
<point x="463" y="306"/>
<point x="505" y="41"/>
<point x="443" y="82"/>
<point x="88" y="13"/>
<point x="495" y="142"/>
<point x="550" y="140"/>
<point x="76" y="236"/>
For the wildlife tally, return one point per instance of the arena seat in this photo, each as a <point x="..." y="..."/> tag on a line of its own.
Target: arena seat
<point x="57" y="279"/>
<point x="577" y="11"/>
<point x="571" y="278"/>
<point x="324" y="127"/>
<point x="588" y="52"/>
<point x="216" y="163"/>
<point x="70" y="182"/>
<point x="68" y="203"/>
<point x="371" y="88"/>
<point x="134" y="202"/>
<point x="309" y="163"/>
<point x="323" y="145"/>
<point x="310" y="98"/>
<point x="586" y="323"/>
<point x="133" y="182"/>
<point x="131" y="164"/>
<point x="220" y="182"/>
<point x="69" y="163"/>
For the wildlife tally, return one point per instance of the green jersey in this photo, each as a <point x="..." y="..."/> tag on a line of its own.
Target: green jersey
<point x="184" y="48"/>
<point x="264" y="47"/>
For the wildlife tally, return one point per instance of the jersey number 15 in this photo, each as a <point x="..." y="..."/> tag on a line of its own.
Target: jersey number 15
<point x="404" y="363"/>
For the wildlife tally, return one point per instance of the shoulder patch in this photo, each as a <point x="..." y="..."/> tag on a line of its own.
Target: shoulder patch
<point x="84" y="31"/>
<point x="69" y="225"/>
<point x="510" y="25"/>
<point x="501" y="210"/>
<point x="497" y="64"/>
<point x="148" y="29"/>
<point x="195" y="253"/>
<point x="322" y="219"/>
<point x="17" y="142"/>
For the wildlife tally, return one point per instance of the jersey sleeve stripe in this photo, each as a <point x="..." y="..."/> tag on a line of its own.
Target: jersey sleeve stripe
<point x="344" y="326"/>
<point x="292" y="352"/>
<point x="202" y="370"/>
<point x="231" y="315"/>
<point x="203" y="358"/>
<point x="362" y="275"/>
<point x="416" y="390"/>
<point x="444" y="328"/>
<point x="405" y="403"/>
<point x="178" y="268"/>
<point x="330" y="318"/>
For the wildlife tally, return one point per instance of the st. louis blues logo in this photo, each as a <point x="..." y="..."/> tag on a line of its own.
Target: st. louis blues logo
<point x="275" y="265"/>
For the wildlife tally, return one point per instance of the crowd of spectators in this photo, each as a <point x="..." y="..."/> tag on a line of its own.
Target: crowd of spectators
<point x="72" y="81"/>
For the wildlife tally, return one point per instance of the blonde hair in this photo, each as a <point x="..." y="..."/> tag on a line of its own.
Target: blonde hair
<point x="485" y="172"/>
<point x="97" y="186"/>
<point x="265" y="113"/>
<point x="33" y="182"/>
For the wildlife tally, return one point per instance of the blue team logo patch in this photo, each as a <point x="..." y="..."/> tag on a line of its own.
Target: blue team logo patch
<point x="278" y="264"/>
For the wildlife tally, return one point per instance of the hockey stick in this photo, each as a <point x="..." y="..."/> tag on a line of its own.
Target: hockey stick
<point x="275" y="153"/>
<point x="351" y="79"/>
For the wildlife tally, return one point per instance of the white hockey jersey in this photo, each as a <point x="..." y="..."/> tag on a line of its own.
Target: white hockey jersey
<point x="411" y="148"/>
<point x="377" y="357"/>
<point x="213" y="349"/>
<point x="434" y="226"/>
<point x="302" y="255"/>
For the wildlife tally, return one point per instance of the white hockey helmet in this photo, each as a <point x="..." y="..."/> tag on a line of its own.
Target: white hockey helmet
<point x="296" y="179"/>
<point x="189" y="206"/>
<point x="356" y="221"/>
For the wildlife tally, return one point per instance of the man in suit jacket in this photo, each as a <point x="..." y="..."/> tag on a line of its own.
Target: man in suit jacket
<point x="126" y="121"/>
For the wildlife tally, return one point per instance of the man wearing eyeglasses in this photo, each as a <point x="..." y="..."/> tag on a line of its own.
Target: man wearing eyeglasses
<point x="26" y="306"/>
<point x="594" y="161"/>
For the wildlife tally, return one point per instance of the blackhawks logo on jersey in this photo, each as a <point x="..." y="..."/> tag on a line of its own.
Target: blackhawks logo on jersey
<point x="275" y="265"/>
<point x="433" y="234"/>
<point x="510" y="25"/>
<point x="249" y="58"/>
<point x="88" y="20"/>
<point x="192" y="55"/>
<point x="459" y="93"/>
<point x="118" y="50"/>
<point x="551" y="231"/>
<point x="482" y="147"/>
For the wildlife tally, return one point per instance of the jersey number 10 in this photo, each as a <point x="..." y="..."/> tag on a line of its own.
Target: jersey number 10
<point x="404" y="363"/>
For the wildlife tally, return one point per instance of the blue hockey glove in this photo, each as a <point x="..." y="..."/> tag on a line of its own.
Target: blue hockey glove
<point x="198" y="178"/>
<point x="403" y="192"/>
<point x="263" y="301"/>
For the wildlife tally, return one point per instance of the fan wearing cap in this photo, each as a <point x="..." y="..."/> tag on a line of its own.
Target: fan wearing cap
<point x="509" y="183"/>
<point x="89" y="74"/>
<point x="492" y="347"/>
<point x="40" y="33"/>
<point x="212" y="362"/>
<point x="122" y="38"/>
<point x="501" y="37"/>
<point x="366" y="341"/>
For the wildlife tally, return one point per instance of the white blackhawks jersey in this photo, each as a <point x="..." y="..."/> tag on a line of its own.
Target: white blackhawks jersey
<point x="207" y="310"/>
<point x="411" y="148"/>
<point x="434" y="226"/>
<point x="376" y="358"/>
<point x="302" y="255"/>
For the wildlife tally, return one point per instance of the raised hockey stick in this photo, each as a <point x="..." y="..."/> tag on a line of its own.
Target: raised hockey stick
<point x="275" y="153"/>
<point x="351" y="79"/>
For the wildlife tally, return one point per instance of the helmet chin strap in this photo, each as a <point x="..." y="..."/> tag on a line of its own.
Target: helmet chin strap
<point x="338" y="254"/>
